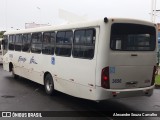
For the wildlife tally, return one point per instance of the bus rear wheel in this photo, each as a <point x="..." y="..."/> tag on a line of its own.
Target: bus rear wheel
<point x="49" y="85"/>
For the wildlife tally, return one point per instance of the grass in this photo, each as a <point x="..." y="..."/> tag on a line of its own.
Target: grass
<point x="157" y="80"/>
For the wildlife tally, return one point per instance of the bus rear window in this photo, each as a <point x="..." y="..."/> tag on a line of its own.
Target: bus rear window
<point x="132" y="37"/>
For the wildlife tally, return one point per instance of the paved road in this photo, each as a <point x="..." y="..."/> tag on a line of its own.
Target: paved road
<point x="24" y="95"/>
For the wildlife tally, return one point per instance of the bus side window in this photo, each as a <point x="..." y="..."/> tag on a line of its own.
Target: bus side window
<point x="36" y="45"/>
<point x="26" y="42"/>
<point x="64" y="43"/>
<point x="5" y="43"/>
<point x="84" y="43"/>
<point x="48" y="43"/>
<point x="11" y="42"/>
<point x="18" y="42"/>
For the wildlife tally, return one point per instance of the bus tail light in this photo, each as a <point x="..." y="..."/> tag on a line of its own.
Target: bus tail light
<point x="105" y="77"/>
<point x="153" y="75"/>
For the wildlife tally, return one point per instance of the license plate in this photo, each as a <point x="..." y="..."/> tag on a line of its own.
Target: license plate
<point x="132" y="84"/>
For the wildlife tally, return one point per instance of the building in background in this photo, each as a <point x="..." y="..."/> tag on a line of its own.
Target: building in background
<point x="34" y="25"/>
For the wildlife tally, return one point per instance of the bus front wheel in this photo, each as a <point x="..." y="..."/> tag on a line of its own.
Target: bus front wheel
<point x="13" y="74"/>
<point x="49" y="85"/>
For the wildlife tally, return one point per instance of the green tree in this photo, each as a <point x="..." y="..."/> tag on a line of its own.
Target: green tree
<point x="1" y="33"/>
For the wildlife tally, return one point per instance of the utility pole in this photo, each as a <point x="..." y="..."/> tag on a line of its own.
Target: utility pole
<point x="153" y="8"/>
<point x="153" y="11"/>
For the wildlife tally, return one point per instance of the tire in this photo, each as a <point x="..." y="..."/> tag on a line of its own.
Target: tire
<point x="49" y="85"/>
<point x="13" y="74"/>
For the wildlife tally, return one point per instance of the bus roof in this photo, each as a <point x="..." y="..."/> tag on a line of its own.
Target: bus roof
<point x="82" y="24"/>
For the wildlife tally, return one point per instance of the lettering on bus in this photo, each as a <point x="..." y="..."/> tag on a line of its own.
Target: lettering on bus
<point x="116" y="80"/>
<point x="23" y="59"/>
<point x="52" y="60"/>
<point x="32" y="60"/>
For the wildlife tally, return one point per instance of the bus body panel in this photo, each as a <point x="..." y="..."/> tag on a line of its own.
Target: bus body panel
<point x="33" y="66"/>
<point x="6" y="62"/>
<point x="141" y="58"/>
<point x="62" y="82"/>
<point x="102" y="53"/>
<point x="74" y="89"/>
<point x="131" y="71"/>
<point x="76" y="72"/>
<point x="125" y="77"/>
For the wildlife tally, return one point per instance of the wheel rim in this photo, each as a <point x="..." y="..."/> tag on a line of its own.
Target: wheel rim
<point x="49" y="85"/>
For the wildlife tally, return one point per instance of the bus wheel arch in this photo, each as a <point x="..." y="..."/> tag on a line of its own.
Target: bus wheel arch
<point x="49" y="83"/>
<point x="12" y="70"/>
<point x="10" y="66"/>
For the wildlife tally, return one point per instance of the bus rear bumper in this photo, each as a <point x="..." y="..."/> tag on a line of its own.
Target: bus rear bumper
<point x="123" y="93"/>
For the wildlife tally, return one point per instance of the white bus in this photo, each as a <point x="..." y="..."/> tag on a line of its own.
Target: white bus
<point x="1" y="57"/>
<point x="96" y="60"/>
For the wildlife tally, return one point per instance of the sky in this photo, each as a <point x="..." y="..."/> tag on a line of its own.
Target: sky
<point x="15" y="13"/>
